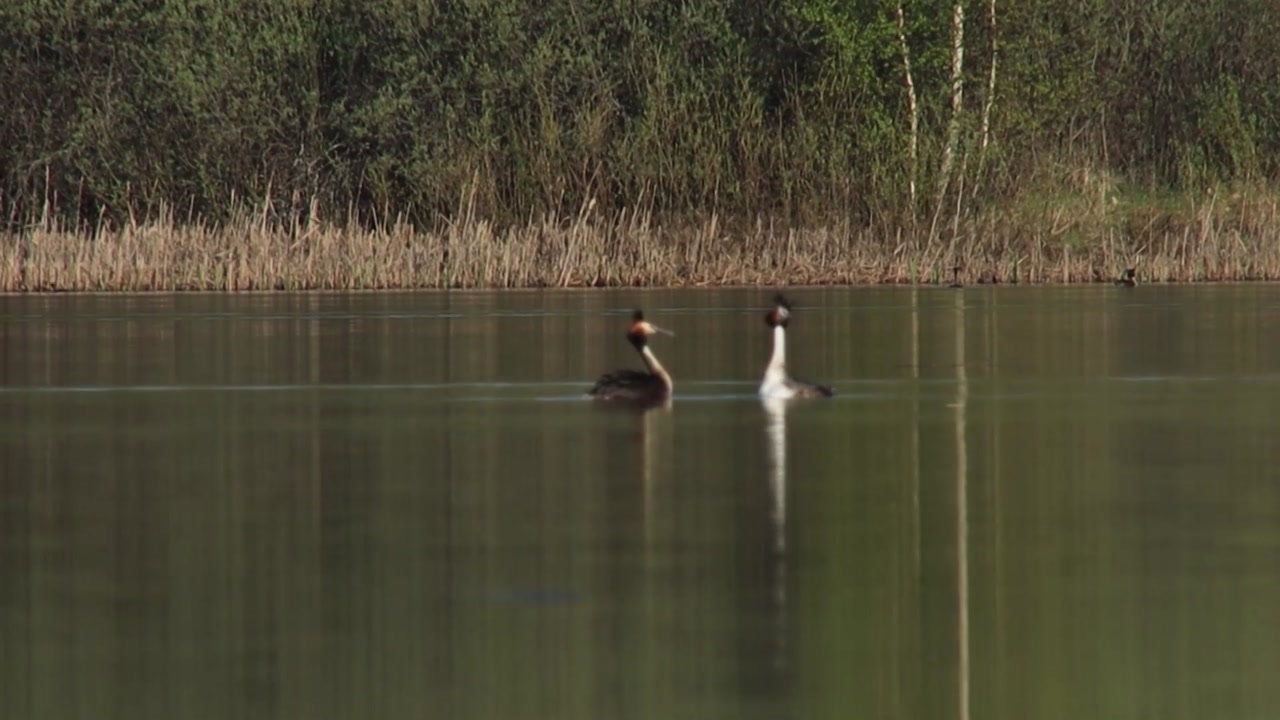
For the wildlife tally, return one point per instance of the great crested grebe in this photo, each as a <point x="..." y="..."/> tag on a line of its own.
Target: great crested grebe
<point x="653" y="386"/>
<point x="1128" y="279"/>
<point x="777" y="384"/>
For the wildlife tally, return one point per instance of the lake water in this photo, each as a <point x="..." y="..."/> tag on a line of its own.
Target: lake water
<point x="1022" y="503"/>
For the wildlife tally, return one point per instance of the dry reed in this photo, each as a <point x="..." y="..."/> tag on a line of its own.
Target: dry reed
<point x="1211" y="238"/>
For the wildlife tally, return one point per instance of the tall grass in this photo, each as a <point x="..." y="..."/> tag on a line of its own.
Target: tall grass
<point x="1079" y="237"/>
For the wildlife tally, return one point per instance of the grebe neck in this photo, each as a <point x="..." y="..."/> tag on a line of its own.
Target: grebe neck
<point x="778" y="363"/>
<point x="655" y="367"/>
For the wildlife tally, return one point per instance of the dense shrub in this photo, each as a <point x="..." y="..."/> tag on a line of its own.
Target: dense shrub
<point x="792" y="109"/>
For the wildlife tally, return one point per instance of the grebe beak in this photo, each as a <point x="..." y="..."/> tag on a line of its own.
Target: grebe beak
<point x="650" y="329"/>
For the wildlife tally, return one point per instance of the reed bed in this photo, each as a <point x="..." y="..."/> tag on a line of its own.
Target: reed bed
<point x="1215" y="237"/>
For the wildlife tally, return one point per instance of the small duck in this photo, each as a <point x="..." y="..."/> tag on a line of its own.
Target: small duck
<point x="1128" y="279"/>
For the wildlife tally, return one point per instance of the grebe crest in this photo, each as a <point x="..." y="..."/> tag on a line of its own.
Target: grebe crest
<point x="651" y="387"/>
<point x="777" y="383"/>
<point x="640" y="330"/>
<point x="780" y="315"/>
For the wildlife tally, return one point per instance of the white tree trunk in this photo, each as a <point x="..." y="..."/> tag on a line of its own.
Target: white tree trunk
<point x="991" y="80"/>
<point x="957" y="101"/>
<point x="912" y="110"/>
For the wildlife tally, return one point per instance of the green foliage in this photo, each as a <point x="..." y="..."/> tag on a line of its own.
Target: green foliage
<point x="794" y="109"/>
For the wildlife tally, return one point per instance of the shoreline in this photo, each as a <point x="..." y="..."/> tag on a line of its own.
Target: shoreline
<point x="1046" y="245"/>
<point x="64" y="292"/>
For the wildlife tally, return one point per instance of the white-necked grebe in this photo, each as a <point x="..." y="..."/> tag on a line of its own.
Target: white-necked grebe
<point x="777" y="383"/>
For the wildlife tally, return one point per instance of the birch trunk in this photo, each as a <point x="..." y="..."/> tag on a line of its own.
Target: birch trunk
<point x="913" y="113"/>
<point x="957" y="100"/>
<point x="991" y="80"/>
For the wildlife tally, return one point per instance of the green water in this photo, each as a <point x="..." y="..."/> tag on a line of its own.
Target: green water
<point x="1023" y="503"/>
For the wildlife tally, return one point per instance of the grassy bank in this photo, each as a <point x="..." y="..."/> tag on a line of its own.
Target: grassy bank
<point x="1223" y="235"/>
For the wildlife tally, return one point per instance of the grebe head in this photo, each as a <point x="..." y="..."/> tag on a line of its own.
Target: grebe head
<point x="780" y="315"/>
<point x="640" y="330"/>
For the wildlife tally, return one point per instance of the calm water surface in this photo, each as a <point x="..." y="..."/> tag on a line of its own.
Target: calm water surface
<point x="1023" y="503"/>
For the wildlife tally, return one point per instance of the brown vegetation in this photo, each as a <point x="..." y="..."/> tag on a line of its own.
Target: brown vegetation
<point x="1085" y="237"/>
